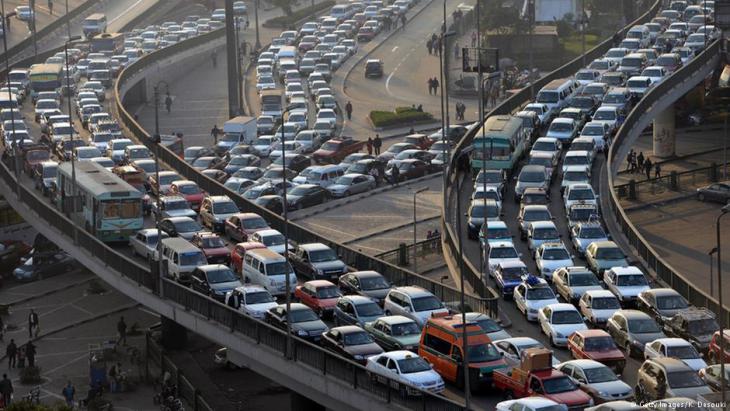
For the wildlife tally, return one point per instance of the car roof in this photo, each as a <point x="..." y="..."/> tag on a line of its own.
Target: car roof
<point x="562" y="307"/>
<point x="600" y="293"/>
<point x="320" y="283"/>
<point x="314" y="246"/>
<point x="622" y="270"/>
<point x="674" y="342"/>
<point x="395" y="319"/>
<point x="412" y="290"/>
<point x="543" y="224"/>
<point x="662" y="292"/>
<point x="585" y="363"/>
<point x="512" y="264"/>
<point x="348" y="329"/>
<point x="633" y="314"/>
<point x="670" y="364"/>
<point x="400" y="354"/>
<point x="593" y="333"/>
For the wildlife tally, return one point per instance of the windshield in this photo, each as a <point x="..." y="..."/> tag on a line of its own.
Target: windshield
<point x="514" y="273"/>
<point x="702" y="327"/>
<point x="121" y="209"/>
<point x="168" y="179"/>
<point x="369" y="309"/>
<point x="278" y="268"/>
<point x="540" y="293"/>
<point x="687" y="352"/>
<point x="301" y="191"/>
<point x="327" y="292"/>
<point x="599" y="65"/>
<point x="566" y="317"/>
<point x="405" y="329"/>
<point x="212" y="242"/>
<point x="631" y="279"/>
<point x="615" y="98"/>
<point x="583" y="280"/>
<point x="50" y="171"/>
<point x="637" y="84"/>
<point x="254" y="223"/>
<point x="581" y="214"/>
<point x="561" y="127"/>
<point x="555" y="254"/>
<point x="358" y="338"/>
<point x="188" y="189"/>
<point x="575" y="160"/>
<point x="575" y="176"/>
<point x="536" y="215"/>
<point x="330" y="146"/>
<point x="488" y="325"/>
<point x="221" y="276"/>
<point x="226" y="207"/>
<point x="541" y="161"/>
<point x="319" y="256"/>
<point x="413" y="365"/>
<point x="480" y="211"/>
<point x="426" y="303"/>
<point x="275" y="239"/>
<point x="503" y="252"/>
<point x="176" y="205"/>
<point x="548" y="97"/>
<point x="592" y="232"/>
<point x="605" y="115"/>
<point x="187" y="226"/>
<point x="496" y="233"/>
<point x="483" y="353"/>
<point x="599" y="344"/>
<point x="599" y="375"/>
<point x="558" y="385"/>
<point x="684" y="379"/>
<point x="532" y="176"/>
<point x="495" y="177"/>
<point x="259" y="297"/>
<point x="643" y="326"/>
<point x="373" y="283"/>
<point x="673" y="302"/>
<point x="194" y="258"/>
<point x="605" y="303"/>
<point x="301" y="316"/>
<point x="581" y="194"/>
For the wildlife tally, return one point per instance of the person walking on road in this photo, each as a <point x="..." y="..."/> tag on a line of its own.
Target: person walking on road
<point x="50" y="7"/>
<point x="377" y="142"/>
<point x="69" y="392"/>
<point x="30" y="353"/>
<point x="647" y="168"/>
<point x="657" y="170"/>
<point x="11" y="351"/>
<point x="348" y="110"/>
<point x="435" y="86"/>
<point x="403" y="21"/>
<point x="369" y="145"/>
<point x="429" y="46"/>
<point x="395" y="175"/>
<point x="122" y="330"/>
<point x="629" y="158"/>
<point x="430" y="86"/>
<point x="33" y="325"/>
<point x="7" y="22"/>
<point x="214" y="58"/>
<point x="376" y="175"/>
<point x="640" y="162"/>
<point x="473" y="38"/>
<point x="168" y="103"/>
<point x="215" y="131"/>
<point x="6" y="389"/>
<point x="456" y="50"/>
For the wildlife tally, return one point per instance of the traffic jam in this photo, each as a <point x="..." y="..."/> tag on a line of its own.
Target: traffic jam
<point x="609" y="314"/>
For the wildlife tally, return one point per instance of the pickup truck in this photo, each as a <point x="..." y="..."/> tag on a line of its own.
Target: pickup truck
<point x="34" y="155"/>
<point x="336" y="149"/>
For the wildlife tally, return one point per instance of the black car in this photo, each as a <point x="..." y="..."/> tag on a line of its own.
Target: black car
<point x="214" y="280"/>
<point x="296" y="162"/>
<point x="45" y="264"/>
<point x="351" y="341"/>
<point x="696" y="325"/>
<point x="370" y="284"/>
<point x="719" y="192"/>
<point x="273" y="203"/>
<point x="306" y="195"/>
<point x="305" y="323"/>
<point x="374" y="69"/>
<point x="586" y="104"/>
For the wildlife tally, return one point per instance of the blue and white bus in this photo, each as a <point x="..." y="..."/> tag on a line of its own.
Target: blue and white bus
<point x="500" y="145"/>
<point x="106" y="205"/>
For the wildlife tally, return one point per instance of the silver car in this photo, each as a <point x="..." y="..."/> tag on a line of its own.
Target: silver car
<point x="144" y="243"/>
<point x="350" y="184"/>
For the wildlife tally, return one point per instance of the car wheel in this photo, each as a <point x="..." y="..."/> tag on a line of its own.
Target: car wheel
<point x="701" y="197"/>
<point x="347" y="194"/>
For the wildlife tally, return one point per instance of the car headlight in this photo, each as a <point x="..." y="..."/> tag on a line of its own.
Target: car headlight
<point x="319" y="271"/>
<point x="603" y="394"/>
<point x="546" y="270"/>
<point x="532" y="311"/>
<point x="559" y="335"/>
<point x="302" y="333"/>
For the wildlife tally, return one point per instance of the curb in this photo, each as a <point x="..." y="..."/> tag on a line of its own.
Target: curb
<point x="63" y="288"/>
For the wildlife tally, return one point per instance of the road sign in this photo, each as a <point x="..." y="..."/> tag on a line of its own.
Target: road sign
<point x="472" y="57"/>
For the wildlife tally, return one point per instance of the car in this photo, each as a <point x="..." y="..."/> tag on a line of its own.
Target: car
<point x="532" y="295"/>
<point x="603" y="255"/>
<point x="306" y="195"/>
<point x="571" y="282"/>
<point x="626" y="283"/>
<point x="717" y="192"/>
<point x="239" y="251"/>
<point x="675" y="348"/>
<point x="316" y="261"/>
<point x="144" y="242"/>
<point x="530" y="404"/>
<point x="660" y="378"/>
<point x="319" y="295"/>
<point x="575" y="175"/>
<point x="373" y="67"/>
<point x="597" y="380"/>
<point x="214" y="280"/>
<point x="696" y="325"/>
<point x="559" y="321"/>
<point x="552" y="256"/>
<point x="531" y="176"/>
<point x="304" y="321"/>
<point x="490" y="327"/>
<point x="165" y="182"/>
<point x="661" y="303"/>
<point x="655" y="73"/>
<point x="272" y="239"/>
<point x="351" y="342"/>
<point x="583" y="234"/>
<point x="273" y="203"/>
<point x="542" y="110"/>
<point x="252" y="300"/>
<point x="549" y="160"/>
<point x="184" y="227"/>
<point x="38" y="266"/>
<point x="405" y="369"/>
<point x="214" y="248"/>
<point x="631" y="330"/>
<point x="189" y="190"/>
<point x="172" y="206"/>
<point x="512" y="348"/>
<point x="597" y="345"/>
<point x="413" y="302"/>
<point x="395" y="332"/>
<point x="542" y="232"/>
<point x="369" y="284"/>
<point x="240" y="226"/>
<point x="529" y="214"/>
<point x="497" y="253"/>
<point x="579" y="194"/>
<point x="494" y="232"/>
<point x="609" y="116"/>
<point x="215" y="210"/>
<point x="508" y="275"/>
<point x="356" y="310"/>
<point x="479" y="212"/>
<point x="711" y="375"/>
<point x="350" y="184"/>
<point x="597" y="306"/>
<point x="24" y="13"/>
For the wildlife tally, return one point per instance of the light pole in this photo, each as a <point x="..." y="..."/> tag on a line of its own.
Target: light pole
<point x="531" y="23"/>
<point x="723" y="321"/>
<point x="465" y="346"/>
<point x="415" y="237"/>
<point x="712" y="280"/>
<point x="156" y="140"/>
<point x="71" y="122"/>
<point x="239" y="69"/>
<point x="32" y="27"/>
<point x="583" y="31"/>
<point x="68" y="22"/>
<point x="256" y="17"/>
<point x="286" y="236"/>
<point x="16" y="152"/>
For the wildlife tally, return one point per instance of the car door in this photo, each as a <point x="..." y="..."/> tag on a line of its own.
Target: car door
<point x="519" y="297"/>
<point x="562" y="284"/>
<point x="199" y="282"/>
<point x="575" y="345"/>
<point x="546" y="320"/>
<point x="233" y="228"/>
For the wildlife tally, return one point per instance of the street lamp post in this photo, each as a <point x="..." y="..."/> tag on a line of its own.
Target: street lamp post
<point x="415" y="237"/>
<point x="32" y="27"/>
<point x="256" y="17"/>
<point x="286" y="237"/>
<point x="583" y="31"/>
<point x="711" y="253"/>
<point x="70" y="120"/>
<point x="16" y="152"/>
<point x="462" y="302"/>
<point x="723" y="321"/>
<point x="239" y="68"/>
<point x="156" y="140"/>
<point x="68" y="22"/>
<point x="531" y="23"/>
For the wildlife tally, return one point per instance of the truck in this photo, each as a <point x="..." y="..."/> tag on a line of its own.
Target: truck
<point x="535" y="376"/>
<point x="238" y="130"/>
<point x="272" y="103"/>
<point x="335" y="150"/>
<point x="113" y="42"/>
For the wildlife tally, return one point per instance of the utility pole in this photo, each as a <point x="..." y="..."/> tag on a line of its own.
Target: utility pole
<point x="156" y="140"/>
<point x="32" y="27"/>
<point x="531" y="22"/>
<point x="234" y="105"/>
<point x="68" y="23"/>
<point x="256" y="16"/>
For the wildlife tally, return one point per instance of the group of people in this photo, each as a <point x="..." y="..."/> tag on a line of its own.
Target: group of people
<point x="460" y="110"/>
<point x="637" y="163"/>
<point x="374" y="144"/>
<point x="433" y="45"/>
<point x="433" y="85"/>
<point x="17" y="356"/>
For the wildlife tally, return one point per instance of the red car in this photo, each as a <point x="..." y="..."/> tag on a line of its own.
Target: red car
<point x="597" y="345"/>
<point x="190" y="191"/>
<point x="213" y="247"/>
<point x="319" y="295"/>
<point x="365" y="34"/>
<point x="240" y="226"/>
<point x="239" y="251"/>
<point x="714" y="353"/>
<point x="335" y="150"/>
<point x="419" y="140"/>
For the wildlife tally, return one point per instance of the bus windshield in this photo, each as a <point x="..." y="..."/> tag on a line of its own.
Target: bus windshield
<point x="120" y="209"/>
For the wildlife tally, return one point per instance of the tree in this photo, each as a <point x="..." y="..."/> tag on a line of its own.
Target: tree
<point x="285" y="5"/>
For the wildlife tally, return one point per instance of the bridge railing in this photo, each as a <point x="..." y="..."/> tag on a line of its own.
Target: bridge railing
<point x="473" y="273"/>
<point x="652" y="259"/>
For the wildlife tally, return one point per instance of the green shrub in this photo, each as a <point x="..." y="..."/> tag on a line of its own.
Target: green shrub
<point x="401" y="116"/>
<point x="285" y="21"/>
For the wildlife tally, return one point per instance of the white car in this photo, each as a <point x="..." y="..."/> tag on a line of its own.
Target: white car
<point x="494" y="232"/>
<point x="252" y="300"/>
<point x="597" y="380"/>
<point x="551" y="256"/>
<point x="144" y="242"/>
<point x="607" y="115"/>
<point x="596" y="131"/>
<point x="262" y="145"/>
<point x="503" y="252"/>
<point x="559" y="321"/>
<point x="583" y="234"/>
<point x="265" y="82"/>
<point x="299" y="118"/>
<point x="405" y="367"/>
<point x="272" y="239"/>
<point x="531" y="296"/>
<point x="655" y="73"/>
<point x="531" y="404"/>
<point x="579" y="194"/>
<point x="597" y="306"/>
<point x="677" y="348"/>
<point x="512" y="348"/>
<point x="218" y="15"/>
<point x="541" y="232"/>
<point x="329" y="115"/>
<point x="626" y="283"/>
<point x="86" y="153"/>
<point x="575" y="175"/>
<point x="572" y="282"/>
<point x="413" y="302"/>
<point x="548" y="145"/>
<point x="350" y="184"/>
<point x="542" y="111"/>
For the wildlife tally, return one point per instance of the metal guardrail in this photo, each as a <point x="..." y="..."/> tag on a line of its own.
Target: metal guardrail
<point x="451" y="239"/>
<point x="411" y="251"/>
<point x="670" y="182"/>
<point x="653" y="260"/>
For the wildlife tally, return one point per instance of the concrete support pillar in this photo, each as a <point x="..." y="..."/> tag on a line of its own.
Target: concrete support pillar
<point x="174" y="335"/>
<point x="302" y="403"/>
<point x="664" y="134"/>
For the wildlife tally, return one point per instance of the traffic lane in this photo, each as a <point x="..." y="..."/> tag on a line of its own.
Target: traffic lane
<point x="666" y="227"/>
<point x="19" y="29"/>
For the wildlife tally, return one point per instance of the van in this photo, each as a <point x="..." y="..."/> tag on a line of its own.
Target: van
<point x="633" y="64"/>
<point x="325" y="176"/>
<point x="287" y="52"/>
<point x="641" y="33"/>
<point x="268" y="269"/>
<point x="342" y="12"/>
<point x="441" y="345"/>
<point x="556" y="94"/>
<point x="94" y="24"/>
<point x="180" y="258"/>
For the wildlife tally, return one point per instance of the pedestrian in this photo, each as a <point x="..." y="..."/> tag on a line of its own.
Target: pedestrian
<point x="377" y="142"/>
<point x="438" y="46"/>
<point x="6" y="389"/>
<point x="395" y="175"/>
<point x="68" y="392"/>
<point x="430" y="86"/>
<point x="403" y="21"/>
<point x="628" y="159"/>
<point x="50" y="7"/>
<point x="7" y="22"/>
<point x="429" y="46"/>
<point x="122" y="330"/>
<point x="348" y="109"/>
<point x="11" y="351"/>
<point x="640" y="161"/>
<point x="168" y="102"/>
<point x="30" y="353"/>
<point x="647" y="168"/>
<point x="33" y="325"/>
<point x="456" y="50"/>
<point x="215" y="131"/>
<point x="473" y="38"/>
<point x="493" y="96"/>
<point x="369" y="145"/>
<point x="419" y="108"/>
<point x="375" y="175"/>
<point x="214" y="58"/>
<point x="113" y="382"/>
<point x="657" y="170"/>
<point x="458" y="111"/>
<point x="616" y="39"/>
<point x="435" y="86"/>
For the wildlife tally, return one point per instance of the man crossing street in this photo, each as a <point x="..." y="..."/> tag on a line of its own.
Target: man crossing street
<point x="348" y="110"/>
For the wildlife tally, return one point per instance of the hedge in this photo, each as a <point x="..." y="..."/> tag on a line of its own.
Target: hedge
<point x="283" y="22"/>
<point x="400" y="117"/>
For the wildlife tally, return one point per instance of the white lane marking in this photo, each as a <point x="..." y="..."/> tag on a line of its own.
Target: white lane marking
<point x="125" y="11"/>
<point x="394" y="49"/>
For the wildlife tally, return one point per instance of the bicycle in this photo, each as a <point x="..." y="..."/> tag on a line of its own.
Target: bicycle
<point x="33" y="397"/>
